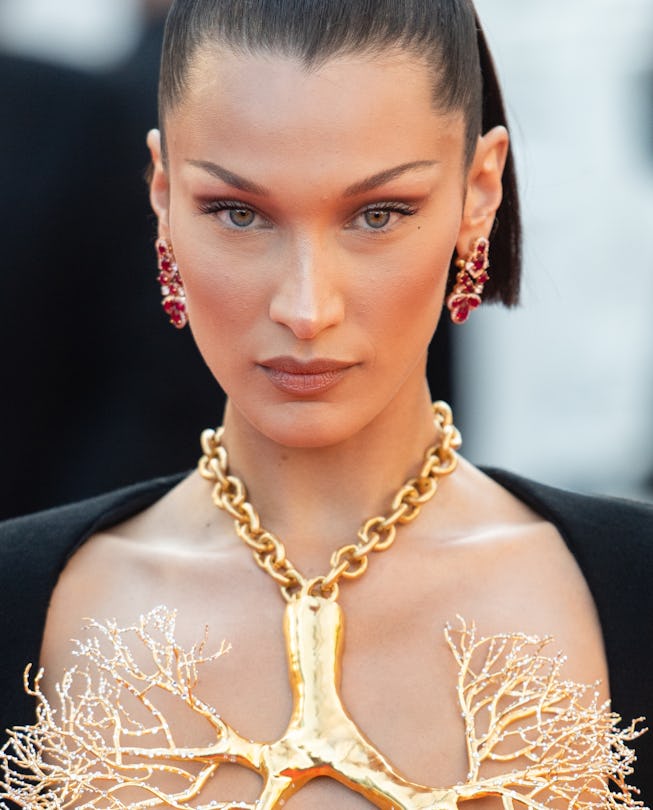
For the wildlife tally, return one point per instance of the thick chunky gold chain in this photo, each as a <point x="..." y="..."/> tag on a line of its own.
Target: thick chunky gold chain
<point x="376" y="534"/>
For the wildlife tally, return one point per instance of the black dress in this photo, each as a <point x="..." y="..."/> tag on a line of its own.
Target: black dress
<point x="611" y="540"/>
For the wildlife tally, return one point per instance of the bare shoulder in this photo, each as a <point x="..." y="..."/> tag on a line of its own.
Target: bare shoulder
<point x="477" y="506"/>
<point x="510" y="570"/>
<point x="129" y="568"/>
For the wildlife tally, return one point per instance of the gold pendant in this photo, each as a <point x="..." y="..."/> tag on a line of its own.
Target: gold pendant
<point x="321" y="738"/>
<point x="556" y="745"/>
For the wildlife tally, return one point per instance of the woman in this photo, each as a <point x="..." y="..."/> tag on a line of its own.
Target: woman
<point x="318" y="167"/>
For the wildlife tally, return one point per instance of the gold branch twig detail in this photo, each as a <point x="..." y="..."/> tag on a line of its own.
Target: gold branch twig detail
<point x="91" y="748"/>
<point x="108" y="743"/>
<point x="560" y="747"/>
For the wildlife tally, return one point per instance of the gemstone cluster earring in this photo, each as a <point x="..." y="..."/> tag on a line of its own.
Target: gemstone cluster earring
<point x="172" y="287"/>
<point x="472" y="277"/>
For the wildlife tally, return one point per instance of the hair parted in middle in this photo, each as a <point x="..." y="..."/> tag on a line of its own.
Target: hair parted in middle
<point x="444" y="34"/>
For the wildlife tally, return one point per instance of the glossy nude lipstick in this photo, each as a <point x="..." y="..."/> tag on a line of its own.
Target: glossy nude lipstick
<point x="303" y="378"/>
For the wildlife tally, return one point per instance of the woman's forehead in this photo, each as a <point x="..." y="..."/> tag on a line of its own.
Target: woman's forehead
<point x="237" y="76"/>
<point x="264" y="102"/>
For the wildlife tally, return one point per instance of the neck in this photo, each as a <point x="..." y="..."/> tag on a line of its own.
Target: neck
<point x="315" y="499"/>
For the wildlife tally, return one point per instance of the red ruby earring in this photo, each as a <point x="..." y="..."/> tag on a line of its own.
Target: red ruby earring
<point x="172" y="287"/>
<point x="472" y="277"/>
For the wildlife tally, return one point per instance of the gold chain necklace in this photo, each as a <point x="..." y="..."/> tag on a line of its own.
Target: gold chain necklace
<point x="376" y="534"/>
<point x="321" y="738"/>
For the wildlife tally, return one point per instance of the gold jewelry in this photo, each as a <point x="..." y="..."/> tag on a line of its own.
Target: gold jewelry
<point x="557" y="746"/>
<point x="376" y="534"/>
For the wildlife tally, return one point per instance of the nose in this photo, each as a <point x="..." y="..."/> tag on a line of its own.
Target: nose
<point x="308" y="297"/>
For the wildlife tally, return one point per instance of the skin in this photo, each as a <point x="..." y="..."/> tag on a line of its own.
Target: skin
<point x="327" y="286"/>
<point x="309" y="277"/>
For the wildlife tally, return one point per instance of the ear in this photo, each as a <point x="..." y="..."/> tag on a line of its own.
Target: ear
<point x="484" y="190"/>
<point x="159" y="185"/>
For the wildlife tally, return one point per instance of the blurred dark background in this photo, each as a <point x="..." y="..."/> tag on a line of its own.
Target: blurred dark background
<point x="98" y="389"/>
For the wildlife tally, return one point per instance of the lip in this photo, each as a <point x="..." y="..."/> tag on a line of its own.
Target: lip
<point x="304" y="377"/>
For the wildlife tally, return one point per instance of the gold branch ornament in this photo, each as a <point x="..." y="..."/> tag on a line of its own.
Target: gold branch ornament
<point x="93" y="751"/>
<point x="108" y="744"/>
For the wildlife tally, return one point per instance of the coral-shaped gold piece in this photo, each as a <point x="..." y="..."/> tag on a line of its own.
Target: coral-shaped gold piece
<point x="108" y="743"/>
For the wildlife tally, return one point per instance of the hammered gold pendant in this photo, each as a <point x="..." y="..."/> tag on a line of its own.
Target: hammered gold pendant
<point x="559" y="748"/>
<point x="321" y="738"/>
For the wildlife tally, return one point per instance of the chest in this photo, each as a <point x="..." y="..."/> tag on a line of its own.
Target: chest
<point x="383" y="677"/>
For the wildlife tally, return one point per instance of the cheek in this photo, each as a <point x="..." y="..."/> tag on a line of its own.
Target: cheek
<point x="220" y="296"/>
<point x="216" y="287"/>
<point x="225" y="309"/>
<point x="218" y="283"/>
<point x="406" y="297"/>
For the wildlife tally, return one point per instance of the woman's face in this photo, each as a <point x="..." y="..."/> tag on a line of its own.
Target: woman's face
<point x="313" y="215"/>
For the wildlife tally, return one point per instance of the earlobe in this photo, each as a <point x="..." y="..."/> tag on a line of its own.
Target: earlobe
<point x="159" y="185"/>
<point x="484" y="190"/>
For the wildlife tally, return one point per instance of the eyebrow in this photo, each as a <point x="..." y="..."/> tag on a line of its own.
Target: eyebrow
<point x="378" y="179"/>
<point x="360" y="187"/>
<point x="230" y="178"/>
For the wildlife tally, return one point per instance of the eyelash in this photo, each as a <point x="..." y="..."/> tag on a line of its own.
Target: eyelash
<point x="215" y="206"/>
<point x="405" y="210"/>
<point x="386" y="207"/>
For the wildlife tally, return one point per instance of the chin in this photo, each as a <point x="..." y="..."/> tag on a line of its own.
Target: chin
<point x="306" y="424"/>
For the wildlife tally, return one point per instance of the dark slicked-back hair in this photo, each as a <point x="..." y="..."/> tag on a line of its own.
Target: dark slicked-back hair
<point x="444" y="34"/>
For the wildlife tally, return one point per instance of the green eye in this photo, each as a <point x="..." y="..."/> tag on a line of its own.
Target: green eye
<point x="241" y="217"/>
<point x="377" y="218"/>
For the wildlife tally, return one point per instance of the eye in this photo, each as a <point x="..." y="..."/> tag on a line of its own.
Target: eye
<point x="235" y="215"/>
<point x="376" y="218"/>
<point x="241" y="217"/>
<point x="381" y="216"/>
